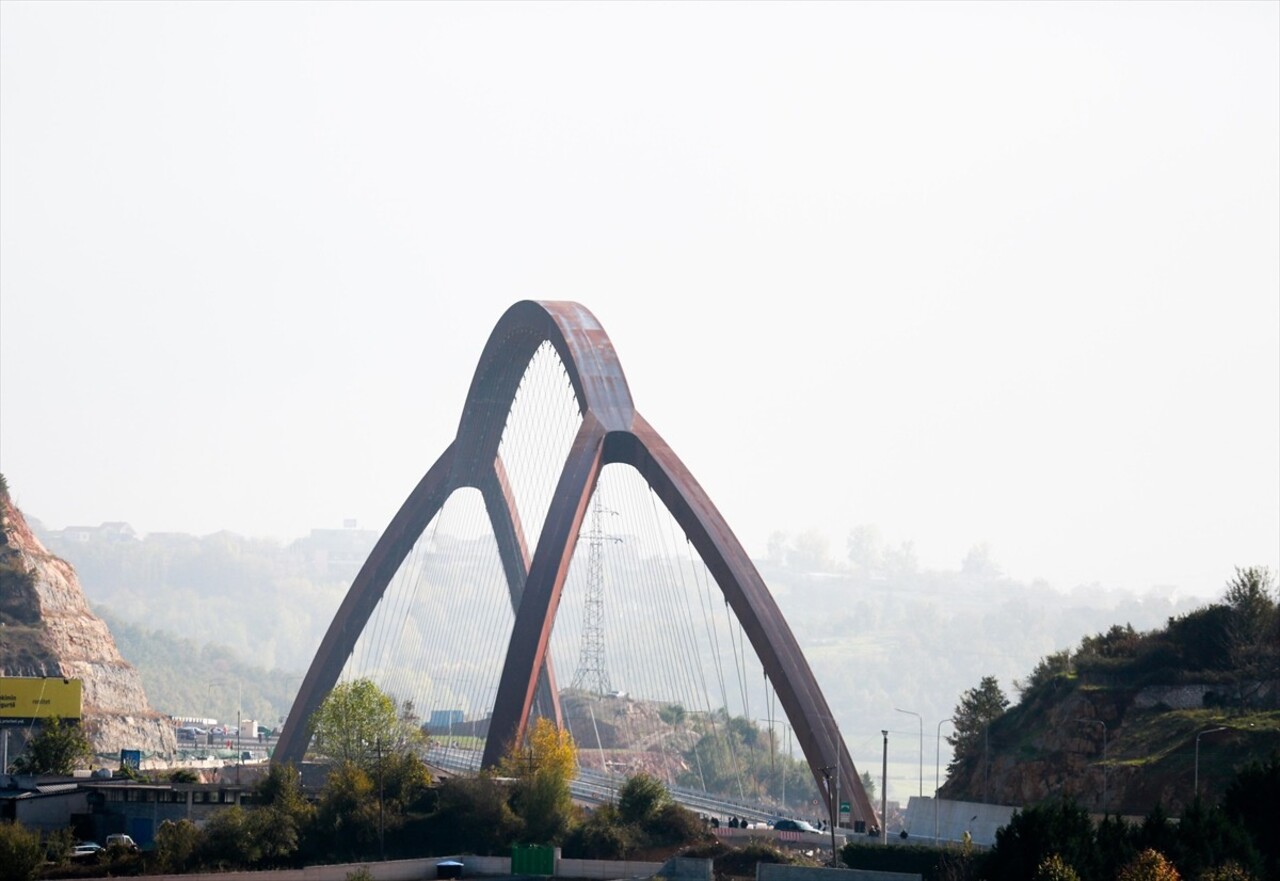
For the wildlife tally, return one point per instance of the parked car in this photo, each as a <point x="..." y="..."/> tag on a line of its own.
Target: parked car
<point x="86" y="850"/>
<point x="119" y="839"/>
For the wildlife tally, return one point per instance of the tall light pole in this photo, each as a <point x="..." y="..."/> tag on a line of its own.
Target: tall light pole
<point x="1198" y="736"/>
<point x="937" y="764"/>
<point x="921" y="720"/>
<point x="1104" y="757"/>
<point x="826" y="772"/>
<point x="884" y="790"/>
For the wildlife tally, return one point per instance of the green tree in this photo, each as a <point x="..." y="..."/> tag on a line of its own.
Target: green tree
<point x="1207" y="837"/>
<point x="978" y="708"/>
<point x="59" y="748"/>
<point x="355" y="722"/>
<point x="176" y="845"/>
<point x="227" y="840"/>
<point x="1253" y="629"/>
<point x="20" y="852"/>
<point x="283" y="814"/>
<point x="1033" y="835"/>
<point x="641" y="797"/>
<point x="403" y="779"/>
<point x="672" y="714"/>
<point x="601" y="836"/>
<point x="347" y="814"/>
<point x="869" y="786"/>
<point x="1251" y="802"/>
<point x="473" y="816"/>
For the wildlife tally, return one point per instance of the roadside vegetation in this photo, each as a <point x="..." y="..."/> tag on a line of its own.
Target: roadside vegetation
<point x="1058" y="841"/>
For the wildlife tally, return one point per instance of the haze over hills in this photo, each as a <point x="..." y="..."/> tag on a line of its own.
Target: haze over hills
<point x="880" y="632"/>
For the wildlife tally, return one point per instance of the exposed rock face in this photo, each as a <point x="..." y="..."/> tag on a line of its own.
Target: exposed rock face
<point x="47" y="629"/>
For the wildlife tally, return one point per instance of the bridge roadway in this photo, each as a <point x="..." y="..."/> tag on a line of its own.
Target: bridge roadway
<point x="592" y="787"/>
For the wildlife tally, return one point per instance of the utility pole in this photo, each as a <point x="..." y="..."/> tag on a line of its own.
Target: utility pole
<point x="382" y="844"/>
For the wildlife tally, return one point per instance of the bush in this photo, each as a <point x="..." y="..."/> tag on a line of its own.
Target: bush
<point x="1054" y="869"/>
<point x="21" y="852"/>
<point x="602" y="836"/>
<point x="1150" y="865"/>
<point x="1033" y="835"/>
<point x="674" y="824"/>
<point x="641" y="797"/>
<point x="743" y="861"/>
<point x="176" y="845"/>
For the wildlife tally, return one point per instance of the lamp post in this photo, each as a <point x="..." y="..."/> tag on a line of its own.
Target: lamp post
<point x="831" y="811"/>
<point x="884" y="789"/>
<point x="937" y="764"/>
<point x="1197" y="774"/>
<point x="1104" y="757"/>
<point x="921" y="720"/>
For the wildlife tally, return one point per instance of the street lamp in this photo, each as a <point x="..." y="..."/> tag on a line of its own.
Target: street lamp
<point x="921" y="718"/>
<point x="1197" y="776"/>
<point x="831" y="810"/>
<point x="1104" y="757"/>
<point x="937" y="764"/>
<point x="884" y="789"/>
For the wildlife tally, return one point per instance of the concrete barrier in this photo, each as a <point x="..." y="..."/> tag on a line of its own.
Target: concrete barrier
<point x="778" y="872"/>
<point x="472" y="867"/>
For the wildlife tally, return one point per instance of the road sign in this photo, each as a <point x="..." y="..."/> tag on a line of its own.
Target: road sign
<point x="844" y="810"/>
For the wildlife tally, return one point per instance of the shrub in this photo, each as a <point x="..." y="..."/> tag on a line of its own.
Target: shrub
<point x="176" y="845"/>
<point x="602" y="836"/>
<point x="1052" y="868"/>
<point x="1150" y="865"/>
<point x="674" y="824"/>
<point x="641" y="797"/>
<point x="1034" y="834"/>
<point x="21" y="852"/>
<point x="1229" y="872"/>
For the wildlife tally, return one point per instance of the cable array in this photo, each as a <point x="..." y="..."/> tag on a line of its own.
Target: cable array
<point x="684" y="675"/>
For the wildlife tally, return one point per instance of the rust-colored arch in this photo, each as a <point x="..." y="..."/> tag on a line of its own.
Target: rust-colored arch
<point x="472" y="461"/>
<point x="611" y="432"/>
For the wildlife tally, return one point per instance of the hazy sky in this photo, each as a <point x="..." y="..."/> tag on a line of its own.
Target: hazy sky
<point x="1003" y="273"/>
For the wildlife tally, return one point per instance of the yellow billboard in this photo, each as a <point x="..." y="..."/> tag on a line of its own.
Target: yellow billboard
<point x="23" y="697"/>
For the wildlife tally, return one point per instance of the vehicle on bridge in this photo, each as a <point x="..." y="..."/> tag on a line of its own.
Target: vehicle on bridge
<point x="795" y="826"/>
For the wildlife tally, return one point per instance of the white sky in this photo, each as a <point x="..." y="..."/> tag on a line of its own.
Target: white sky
<point x="1003" y="273"/>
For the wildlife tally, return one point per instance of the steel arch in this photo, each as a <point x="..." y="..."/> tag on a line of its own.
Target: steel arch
<point x="611" y="432"/>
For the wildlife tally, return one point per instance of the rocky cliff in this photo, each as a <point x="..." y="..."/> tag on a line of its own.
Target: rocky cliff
<point x="47" y="629"/>
<point x="1118" y="749"/>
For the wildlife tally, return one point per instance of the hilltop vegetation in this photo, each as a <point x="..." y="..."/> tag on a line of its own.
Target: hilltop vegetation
<point x="1142" y="697"/>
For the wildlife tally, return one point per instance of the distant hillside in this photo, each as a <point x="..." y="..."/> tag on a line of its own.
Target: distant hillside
<point x="878" y="630"/>
<point x="1213" y="672"/>
<point x="184" y="678"/>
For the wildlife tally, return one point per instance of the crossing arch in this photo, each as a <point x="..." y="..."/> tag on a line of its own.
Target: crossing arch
<point x="611" y="432"/>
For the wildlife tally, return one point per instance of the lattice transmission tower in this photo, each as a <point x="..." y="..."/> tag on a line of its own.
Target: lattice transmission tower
<point x="592" y="674"/>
